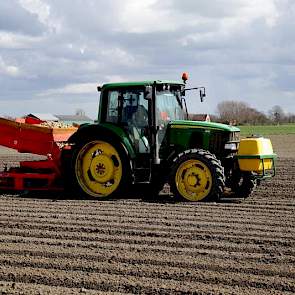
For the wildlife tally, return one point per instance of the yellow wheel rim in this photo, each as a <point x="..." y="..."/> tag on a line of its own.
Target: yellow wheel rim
<point x="193" y="180"/>
<point x="98" y="169"/>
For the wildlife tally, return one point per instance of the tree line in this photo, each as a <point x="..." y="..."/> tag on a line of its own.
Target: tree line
<point x="241" y="113"/>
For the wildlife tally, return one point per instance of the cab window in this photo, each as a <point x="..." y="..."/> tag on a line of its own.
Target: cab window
<point x="113" y="106"/>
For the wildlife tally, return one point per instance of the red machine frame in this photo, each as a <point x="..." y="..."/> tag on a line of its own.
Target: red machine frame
<point x="39" y="140"/>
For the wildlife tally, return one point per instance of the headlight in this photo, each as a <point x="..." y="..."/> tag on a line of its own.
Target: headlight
<point x="231" y="146"/>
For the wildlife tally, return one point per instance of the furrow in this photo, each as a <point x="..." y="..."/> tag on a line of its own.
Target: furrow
<point x="134" y="205"/>
<point x="197" y="219"/>
<point x="146" y="215"/>
<point x="147" y="242"/>
<point x="165" y="227"/>
<point x="95" y="233"/>
<point x="148" y="279"/>
<point x="12" y="288"/>
<point x="262" y="255"/>
<point x="201" y="262"/>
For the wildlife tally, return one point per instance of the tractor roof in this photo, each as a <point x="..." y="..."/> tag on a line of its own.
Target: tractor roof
<point x="141" y="83"/>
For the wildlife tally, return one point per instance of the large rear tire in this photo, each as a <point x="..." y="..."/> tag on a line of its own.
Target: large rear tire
<point x="97" y="168"/>
<point x="197" y="175"/>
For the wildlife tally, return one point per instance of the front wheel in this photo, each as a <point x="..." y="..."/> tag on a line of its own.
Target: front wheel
<point x="197" y="175"/>
<point x="98" y="168"/>
<point x="243" y="184"/>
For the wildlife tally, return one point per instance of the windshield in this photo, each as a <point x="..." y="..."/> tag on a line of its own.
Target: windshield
<point x="168" y="106"/>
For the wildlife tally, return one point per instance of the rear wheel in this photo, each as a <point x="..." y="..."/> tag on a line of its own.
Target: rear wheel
<point x="197" y="175"/>
<point x="98" y="168"/>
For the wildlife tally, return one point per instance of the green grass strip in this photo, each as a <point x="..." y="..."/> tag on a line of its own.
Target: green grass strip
<point x="267" y="129"/>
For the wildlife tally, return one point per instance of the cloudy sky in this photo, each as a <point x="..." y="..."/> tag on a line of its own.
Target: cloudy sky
<point x="53" y="53"/>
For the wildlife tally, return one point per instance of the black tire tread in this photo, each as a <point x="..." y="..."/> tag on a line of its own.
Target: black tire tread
<point x="246" y="188"/>
<point x="214" y="165"/>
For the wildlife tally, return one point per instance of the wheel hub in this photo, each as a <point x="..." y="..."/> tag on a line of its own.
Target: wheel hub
<point x="102" y="168"/>
<point x="194" y="180"/>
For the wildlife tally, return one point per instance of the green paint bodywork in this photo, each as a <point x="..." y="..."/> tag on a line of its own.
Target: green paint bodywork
<point x="182" y="135"/>
<point x="272" y="156"/>
<point x="140" y="83"/>
<point x="203" y="125"/>
<point x="122" y="135"/>
<point x="113" y="129"/>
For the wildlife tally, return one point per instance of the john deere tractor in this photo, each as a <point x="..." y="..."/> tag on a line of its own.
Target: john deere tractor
<point x="143" y="136"/>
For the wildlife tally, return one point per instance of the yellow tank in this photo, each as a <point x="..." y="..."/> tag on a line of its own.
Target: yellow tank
<point x="256" y="154"/>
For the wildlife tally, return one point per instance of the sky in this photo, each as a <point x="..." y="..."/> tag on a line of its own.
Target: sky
<point x="53" y="53"/>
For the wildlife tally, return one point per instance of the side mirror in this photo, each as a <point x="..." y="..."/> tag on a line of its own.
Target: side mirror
<point x="98" y="88"/>
<point x="148" y="93"/>
<point x="202" y="91"/>
<point x="202" y="94"/>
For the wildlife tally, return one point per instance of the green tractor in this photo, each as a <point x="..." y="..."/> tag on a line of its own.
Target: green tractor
<point x="143" y="136"/>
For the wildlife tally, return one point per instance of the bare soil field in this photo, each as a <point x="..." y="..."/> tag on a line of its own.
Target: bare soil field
<point x="52" y="245"/>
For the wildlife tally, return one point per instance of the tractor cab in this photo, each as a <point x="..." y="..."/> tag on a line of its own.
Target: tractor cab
<point x="127" y="108"/>
<point x="143" y="109"/>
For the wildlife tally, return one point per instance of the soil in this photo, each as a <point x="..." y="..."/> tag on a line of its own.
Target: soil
<point x="56" y="245"/>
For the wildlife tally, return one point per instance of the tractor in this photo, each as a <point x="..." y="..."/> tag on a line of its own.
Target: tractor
<point x="143" y="136"/>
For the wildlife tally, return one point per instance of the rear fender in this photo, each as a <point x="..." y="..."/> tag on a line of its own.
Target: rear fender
<point x="108" y="131"/>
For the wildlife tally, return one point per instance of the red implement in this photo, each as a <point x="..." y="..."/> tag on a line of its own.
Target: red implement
<point x="40" y="140"/>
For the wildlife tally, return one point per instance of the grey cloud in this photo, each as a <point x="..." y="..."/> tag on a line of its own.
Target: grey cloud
<point x="14" y="18"/>
<point x="93" y="17"/>
<point x="204" y="8"/>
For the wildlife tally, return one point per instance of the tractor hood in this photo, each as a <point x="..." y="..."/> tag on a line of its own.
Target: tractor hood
<point x="202" y="125"/>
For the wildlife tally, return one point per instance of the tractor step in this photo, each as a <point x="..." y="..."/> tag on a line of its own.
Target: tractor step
<point x="141" y="175"/>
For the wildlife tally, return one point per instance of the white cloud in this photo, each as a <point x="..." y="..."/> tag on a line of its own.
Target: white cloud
<point x="170" y="15"/>
<point x="42" y="10"/>
<point x="79" y="88"/>
<point x="9" y="70"/>
<point x="38" y="7"/>
<point x="114" y="78"/>
<point x="119" y="56"/>
<point x="141" y="17"/>
<point x="17" y="41"/>
<point x="265" y="9"/>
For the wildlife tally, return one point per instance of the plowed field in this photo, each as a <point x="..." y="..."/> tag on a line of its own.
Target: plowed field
<point x="68" y="246"/>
